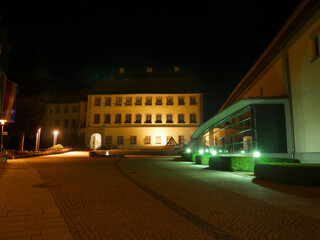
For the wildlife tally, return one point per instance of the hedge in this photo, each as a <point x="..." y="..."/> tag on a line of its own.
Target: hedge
<point x="289" y="173"/>
<point x="245" y="164"/>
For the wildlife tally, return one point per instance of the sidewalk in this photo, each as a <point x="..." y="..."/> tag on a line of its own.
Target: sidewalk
<point x="27" y="208"/>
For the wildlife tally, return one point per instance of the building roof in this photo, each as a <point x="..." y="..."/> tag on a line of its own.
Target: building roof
<point x="280" y="43"/>
<point x="147" y="82"/>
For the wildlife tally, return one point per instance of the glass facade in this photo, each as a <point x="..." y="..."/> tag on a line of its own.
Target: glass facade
<point x="233" y="134"/>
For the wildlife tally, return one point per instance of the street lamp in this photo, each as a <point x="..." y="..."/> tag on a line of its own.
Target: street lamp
<point x="55" y="137"/>
<point x="2" y="125"/>
<point x="38" y="139"/>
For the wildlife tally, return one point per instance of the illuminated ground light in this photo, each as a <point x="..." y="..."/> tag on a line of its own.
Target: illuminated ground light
<point x="201" y="151"/>
<point x="213" y="152"/>
<point x="207" y="150"/>
<point x="256" y="154"/>
<point x="242" y="151"/>
<point x="188" y="150"/>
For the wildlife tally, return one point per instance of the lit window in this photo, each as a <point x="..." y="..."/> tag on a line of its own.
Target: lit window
<point x="133" y="139"/>
<point x="120" y="140"/>
<point x="180" y="118"/>
<point x="159" y="101"/>
<point x="169" y="118"/>
<point x="148" y="118"/>
<point x="181" y="139"/>
<point x="148" y="100"/>
<point x="138" y="101"/>
<point x="158" y="118"/>
<point x="128" y="101"/>
<point x="193" y="100"/>
<point x="96" y="119"/>
<point x="138" y="118"/>
<point x="107" y="101"/>
<point x="107" y="118"/>
<point x="97" y="101"/>
<point x="158" y="139"/>
<point x="169" y="100"/>
<point x="118" y="101"/>
<point x="108" y="140"/>
<point x="181" y="101"/>
<point x="128" y="118"/>
<point x="118" y="118"/>
<point x="193" y="118"/>
<point x="147" y="140"/>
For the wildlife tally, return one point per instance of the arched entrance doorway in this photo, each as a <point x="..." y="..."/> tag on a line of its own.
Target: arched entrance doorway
<point x="95" y="141"/>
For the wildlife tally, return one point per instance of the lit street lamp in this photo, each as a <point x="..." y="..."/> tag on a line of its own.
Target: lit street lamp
<point x="2" y="125"/>
<point x="55" y="137"/>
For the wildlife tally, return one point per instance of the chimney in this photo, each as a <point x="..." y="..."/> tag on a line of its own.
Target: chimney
<point x="149" y="69"/>
<point x="121" y="70"/>
<point x="176" y="69"/>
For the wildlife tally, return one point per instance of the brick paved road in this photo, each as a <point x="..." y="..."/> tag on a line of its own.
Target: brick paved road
<point x="160" y="198"/>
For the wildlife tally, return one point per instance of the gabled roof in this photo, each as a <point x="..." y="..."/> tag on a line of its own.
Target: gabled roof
<point x="147" y="82"/>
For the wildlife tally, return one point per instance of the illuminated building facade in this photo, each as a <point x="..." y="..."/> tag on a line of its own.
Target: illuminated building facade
<point x="143" y="110"/>
<point x="274" y="109"/>
<point x="66" y="114"/>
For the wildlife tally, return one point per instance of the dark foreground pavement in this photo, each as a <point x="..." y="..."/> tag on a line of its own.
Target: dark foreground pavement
<point x="148" y="197"/>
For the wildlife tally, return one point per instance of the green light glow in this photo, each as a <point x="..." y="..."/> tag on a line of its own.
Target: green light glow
<point x="256" y="154"/>
<point x="214" y="152"/>
<point x="242" y="151"/>
<point x="207" y="150"/>
<point x="201" y="151"/>
<point x="188" y="150"/>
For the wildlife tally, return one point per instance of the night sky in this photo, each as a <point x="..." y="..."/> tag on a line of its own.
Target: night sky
<point x="215" y="42"/>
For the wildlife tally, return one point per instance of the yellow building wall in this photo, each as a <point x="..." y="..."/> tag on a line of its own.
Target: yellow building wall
<point x="271" y="84"/>
<point x="305" y="87"/>
<point x="144" y="129"/>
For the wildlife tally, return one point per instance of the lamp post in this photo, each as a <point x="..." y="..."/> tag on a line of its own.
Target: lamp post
<point x="55" y="137"/>
<point x="38" y="139"/>
<point x="2" y="125"/>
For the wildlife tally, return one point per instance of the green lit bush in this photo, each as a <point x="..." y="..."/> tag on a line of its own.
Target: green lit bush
<point x="289" y="173"/>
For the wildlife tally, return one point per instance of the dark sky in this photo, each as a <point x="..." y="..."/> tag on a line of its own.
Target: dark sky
<point x="214" y="41"/>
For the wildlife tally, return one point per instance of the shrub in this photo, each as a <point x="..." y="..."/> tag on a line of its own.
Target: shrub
<point x="289" y="173"/>
<point x="56" y="147"/>
<point x="220" y="163"/>
<point x="198" y="159"/>
<point x="193" y="158"/>
<point x="187" y="156"/>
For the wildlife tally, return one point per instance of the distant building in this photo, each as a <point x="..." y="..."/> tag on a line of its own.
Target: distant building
<point x="143" y="110"/>
<point x="66" y="113"/>
<point x="275" y="107"/>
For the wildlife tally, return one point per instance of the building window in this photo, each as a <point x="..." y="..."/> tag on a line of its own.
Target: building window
<point x="128" y="118"/>
<point x="181" y="101"/>
<point x="57" y="123"/>
<point x="159" y="101"/>
<point x="118" y="101"/>
<point x="169" y="118"/>
<point x="147" y="140"/>
<point x="138" y="101"/>
<point x="181" y="139"/>
<point x="108" y="140"/>
<point x="180" y="118"/>
<point x="158" y="139"/>
<point x="96" y="119"/>
<point x="57" y="109"/>
<point x="118" y="118"/>
<point x="133" y="139"/>
<point x="74" y="123"/>
<point x="158" y="118"/>
<point x="120" y="140"/>
<point x="107" y="118"/>
<point x="66" y="123"/>
<point x="193" y="118"/>
<point x="65" y="109"/>
<point x="97" y="101"/>
<point x="107" y="101"/>
<point x="74" y="108"/>
<point x="193" y="100"/>
<point x="128" y="101"/>
<point x="148" y="118"/>
<point x="148" y="100"/>
<point x="138" y="118"/>
<point x="169" y="100"/>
